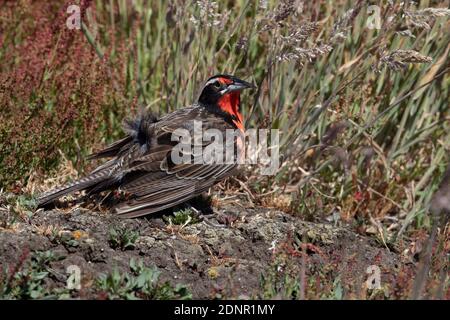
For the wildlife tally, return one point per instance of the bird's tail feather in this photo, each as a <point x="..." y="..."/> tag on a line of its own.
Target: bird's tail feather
<point x="81" y="184"/>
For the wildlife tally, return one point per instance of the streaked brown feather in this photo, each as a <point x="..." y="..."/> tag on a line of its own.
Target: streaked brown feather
<point x="146" y="171"/>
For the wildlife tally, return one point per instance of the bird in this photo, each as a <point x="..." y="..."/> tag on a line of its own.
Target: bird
<point x="141" y="165"/>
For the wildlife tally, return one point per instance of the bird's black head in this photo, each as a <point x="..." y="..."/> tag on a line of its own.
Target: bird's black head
<point x="222" y="95"/>
<point x="221" y="85"/>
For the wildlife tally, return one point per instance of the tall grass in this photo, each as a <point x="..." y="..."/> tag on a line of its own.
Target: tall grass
<point x="364" y="125"/>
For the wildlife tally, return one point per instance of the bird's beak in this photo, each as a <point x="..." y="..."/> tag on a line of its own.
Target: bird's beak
<point x="238" y="85"/>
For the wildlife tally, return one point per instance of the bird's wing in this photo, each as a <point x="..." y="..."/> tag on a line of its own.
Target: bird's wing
<point x="143" y="166"/>
<point x="156" y="182"/>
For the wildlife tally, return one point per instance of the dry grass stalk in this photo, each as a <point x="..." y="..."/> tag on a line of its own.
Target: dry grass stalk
<point x="399" y="59"/>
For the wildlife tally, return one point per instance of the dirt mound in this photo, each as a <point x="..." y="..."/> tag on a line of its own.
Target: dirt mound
<point x="260" y="253"/>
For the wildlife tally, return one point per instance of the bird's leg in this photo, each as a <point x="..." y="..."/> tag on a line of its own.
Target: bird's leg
<point x="203" y="218"/>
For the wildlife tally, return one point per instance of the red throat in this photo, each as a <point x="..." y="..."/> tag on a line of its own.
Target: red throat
<point x="230" y="103"/>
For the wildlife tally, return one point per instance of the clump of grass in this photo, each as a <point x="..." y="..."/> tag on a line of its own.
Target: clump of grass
<point x="142" y="283"/>
<point x="122" y="238"/>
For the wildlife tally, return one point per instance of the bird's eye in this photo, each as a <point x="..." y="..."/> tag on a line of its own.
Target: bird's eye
<point x="217" y="84"/>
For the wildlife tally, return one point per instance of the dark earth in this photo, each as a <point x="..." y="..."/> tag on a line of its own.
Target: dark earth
<point x="243" y="258"/>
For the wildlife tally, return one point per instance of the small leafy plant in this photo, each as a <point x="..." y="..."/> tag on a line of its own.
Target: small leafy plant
<point x="142" y="283"/>
<point x="122" y="238"/>
<point x="64" y="238"/>
<point x="182" y="217"/>
<point x="22" y="205"/>
<point x="26" y="279"/>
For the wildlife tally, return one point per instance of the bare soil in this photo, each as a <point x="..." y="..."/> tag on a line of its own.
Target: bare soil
<point x="212" y="262"/>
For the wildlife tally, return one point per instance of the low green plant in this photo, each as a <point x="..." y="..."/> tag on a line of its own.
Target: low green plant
<point x="141" y="283"/>
<point x="182" y="217"/>
<point x="122" y="238"/>
<point x="19" y="205"/>
<point x="65" y="238"/>
<point x="26" y="279"/>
